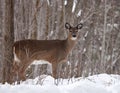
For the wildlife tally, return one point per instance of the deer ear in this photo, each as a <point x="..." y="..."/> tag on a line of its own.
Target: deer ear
<point x="67" y="26"/>
<point x="79" y="26"/>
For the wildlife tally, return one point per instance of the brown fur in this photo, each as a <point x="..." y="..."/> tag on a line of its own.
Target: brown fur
<point x="53" y="51"/>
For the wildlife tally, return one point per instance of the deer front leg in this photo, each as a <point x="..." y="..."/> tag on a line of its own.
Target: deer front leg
<point x="61" y="70"/>
<point x="54" y="70"/>
<point x="54" y="73"/>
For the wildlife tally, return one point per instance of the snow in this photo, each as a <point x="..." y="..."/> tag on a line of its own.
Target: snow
<point x="102" y="83"/>
<point x="48" y="2"/>
<point x="86" y="34"/>
<point x="37" y="62"/>
<point x="111" y="25"/>
<point x="79" y="13"/>
<point x="65" y="2"/>
<point x="74" y="5"/>
<point x="84" y="50"/>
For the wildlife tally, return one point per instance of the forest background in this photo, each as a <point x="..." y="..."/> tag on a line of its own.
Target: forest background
<point x="98" y="48"/>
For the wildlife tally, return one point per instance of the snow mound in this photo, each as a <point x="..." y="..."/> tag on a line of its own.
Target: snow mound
<point x="102" y="83"/>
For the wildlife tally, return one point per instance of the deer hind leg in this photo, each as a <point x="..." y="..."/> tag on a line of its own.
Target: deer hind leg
<point x="22" y="74"/>
<point x="18" y="73"/>
<point x="14" y="71"/>
<point x="22" y="70"/>
<point x="19" y="76"/>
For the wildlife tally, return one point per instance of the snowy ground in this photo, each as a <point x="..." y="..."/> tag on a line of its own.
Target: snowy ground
<point x="102" y="83"/>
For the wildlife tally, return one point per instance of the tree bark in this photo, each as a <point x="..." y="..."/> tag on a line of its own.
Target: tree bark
<point x="8" y="35"/>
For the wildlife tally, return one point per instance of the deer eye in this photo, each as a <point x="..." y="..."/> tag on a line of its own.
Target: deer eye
<point x="76" y="30"/>
<point x="70" y="30"/>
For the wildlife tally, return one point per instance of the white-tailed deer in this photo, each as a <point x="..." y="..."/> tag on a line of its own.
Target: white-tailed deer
<point x="53" y="51"/>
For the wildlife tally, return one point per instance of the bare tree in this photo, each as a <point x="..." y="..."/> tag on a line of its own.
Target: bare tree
<point x="8" y="35"/>
<point x="98" y="48"/>
<point x="1" y="13"/>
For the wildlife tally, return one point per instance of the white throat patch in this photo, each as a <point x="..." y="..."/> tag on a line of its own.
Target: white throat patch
<point x="73" y="38"/>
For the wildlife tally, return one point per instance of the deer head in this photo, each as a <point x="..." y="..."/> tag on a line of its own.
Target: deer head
<point x="73" y="31"/>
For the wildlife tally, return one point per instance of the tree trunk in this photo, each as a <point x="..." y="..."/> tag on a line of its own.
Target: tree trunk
<point x="8" y="35"/>
<point x="103" y="54"/>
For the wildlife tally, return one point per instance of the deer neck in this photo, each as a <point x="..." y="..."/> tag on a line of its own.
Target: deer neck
<point x="70" y="43"/>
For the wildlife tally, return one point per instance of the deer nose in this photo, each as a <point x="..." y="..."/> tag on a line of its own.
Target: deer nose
<point x="74" y="35"/>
